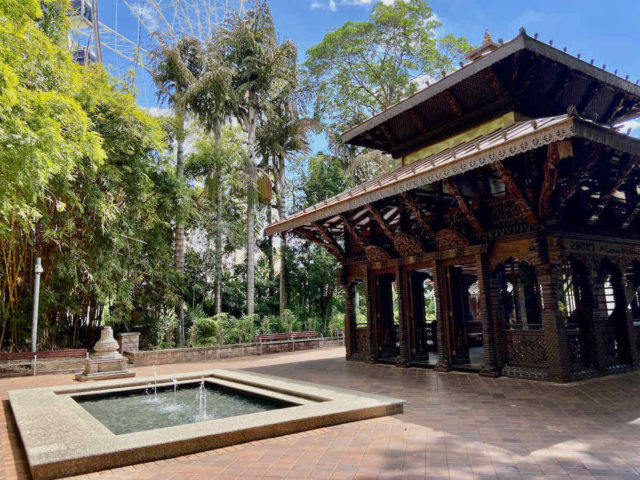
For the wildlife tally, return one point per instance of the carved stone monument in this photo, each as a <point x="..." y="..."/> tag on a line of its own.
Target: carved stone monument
<point x="105" y="361"/>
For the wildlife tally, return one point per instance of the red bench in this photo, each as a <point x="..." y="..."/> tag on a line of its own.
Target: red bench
<point x="291" y="337"/>
<point x="31" y="358"/>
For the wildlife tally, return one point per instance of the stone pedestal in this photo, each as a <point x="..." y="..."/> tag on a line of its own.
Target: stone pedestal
<point x="129" y="342"/>
<point x="105" y="361"/>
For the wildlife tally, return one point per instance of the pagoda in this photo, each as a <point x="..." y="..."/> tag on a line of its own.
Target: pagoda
<point x="507" y="239"/>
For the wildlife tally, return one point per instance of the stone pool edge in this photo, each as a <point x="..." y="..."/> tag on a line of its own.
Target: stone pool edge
<point x="60" y="442"/>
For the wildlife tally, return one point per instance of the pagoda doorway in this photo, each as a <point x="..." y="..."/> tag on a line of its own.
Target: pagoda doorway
<point x="423" y="317"/>
<point x="461" y="299"/>
<point x="387" y="317"/>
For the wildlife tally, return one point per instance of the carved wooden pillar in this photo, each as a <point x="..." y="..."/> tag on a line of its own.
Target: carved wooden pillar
<point x="443" y="364"/>
<point x="599" y="319"/>
<point x="629" y="292"/>
<point x="349" y="319"/>
<point x="403" y="337"/>
<point x="553" y="325"/>
<point x="497" y="321"/>
<point x="369" y="294"/>
<point x="490" y="367"/>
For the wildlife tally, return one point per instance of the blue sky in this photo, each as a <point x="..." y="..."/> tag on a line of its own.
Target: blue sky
<point x="605" y="30"/>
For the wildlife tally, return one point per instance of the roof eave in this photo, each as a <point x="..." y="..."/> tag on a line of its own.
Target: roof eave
<point x="522" y="41"/>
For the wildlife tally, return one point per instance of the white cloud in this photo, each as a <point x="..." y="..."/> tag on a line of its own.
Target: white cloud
<point x="633" y="124"/>
<point x="333" y="6"/>
<point x="329" y="5"/>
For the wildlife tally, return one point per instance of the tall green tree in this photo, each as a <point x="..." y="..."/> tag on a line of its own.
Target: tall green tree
<point x="260" y="66"/>
<point x="362" y="68"/>
<point x="176" y="68"/>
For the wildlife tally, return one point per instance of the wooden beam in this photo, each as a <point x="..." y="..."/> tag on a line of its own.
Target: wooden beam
<point x="615" y="106"/>
<point x="417" y="118"/>
<point x="512" y="187"/>
<point x="607" y="195"/>
<point x="363" y="242"/>
<point x="412" y="205"/>
<point x="471" y="218"/>
<point x="496" y="86"/>
<point x="564" y="77"/>
<point x="631" y="217"/>
<point x="389" y="134"/>
<point x="588" y="97"/>
<point x="550" y="179"/>
<point x="453" y="103"/>
<point x="328" y="238"/>
<point x="313" y="238"/>
<point x="571" y="187"/>
<point x="386" y="228"/>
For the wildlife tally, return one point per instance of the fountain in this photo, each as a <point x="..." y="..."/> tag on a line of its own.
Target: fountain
<point x="105" y="361"/>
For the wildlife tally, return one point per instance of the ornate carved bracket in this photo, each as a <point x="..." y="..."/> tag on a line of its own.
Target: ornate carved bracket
<point x="471" y="218"/>
<point x="313" y="238"/>
<point x="386" y="228"/>
<point x="412" y="205"/>
<point x="550" y="178"/>
<point x="363" y="242"/>
<point x="329" y="239"/>
<point x="512" y="187"/>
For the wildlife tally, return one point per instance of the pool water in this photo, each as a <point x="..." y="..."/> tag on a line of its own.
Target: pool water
<point x="138" y="410"/>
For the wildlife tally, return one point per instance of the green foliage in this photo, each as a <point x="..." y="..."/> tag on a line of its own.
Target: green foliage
<point x="362" y="68"/>
<point x="204" y="329"/>
<point x="83" y="187"/>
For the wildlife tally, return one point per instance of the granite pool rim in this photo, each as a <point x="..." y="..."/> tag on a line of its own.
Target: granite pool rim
<point x="61" y="438"/>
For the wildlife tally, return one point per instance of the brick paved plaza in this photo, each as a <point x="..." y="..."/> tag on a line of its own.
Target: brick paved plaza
<point x="454" y="426"/>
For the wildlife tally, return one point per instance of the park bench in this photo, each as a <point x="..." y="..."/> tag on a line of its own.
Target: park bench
<point x="291" y="338"/>
<point x="16" y="359"/>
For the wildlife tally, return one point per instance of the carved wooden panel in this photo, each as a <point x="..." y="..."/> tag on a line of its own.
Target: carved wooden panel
<point x="447" y="239"/>
<point x="525" y="349"/>
<point x="407" y="244"/>
<point x="362" y="340"/>
<point x="376" y="254"/>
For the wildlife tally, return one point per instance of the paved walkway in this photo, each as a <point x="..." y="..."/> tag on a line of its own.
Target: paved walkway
<point x="456" y="426"/>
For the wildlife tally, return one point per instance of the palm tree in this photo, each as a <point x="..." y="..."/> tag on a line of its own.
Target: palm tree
<point x="174" y="69"/>
<point x="282" y="135"/>
<point x="208" y="98"/>
<point x="260" y="66"/>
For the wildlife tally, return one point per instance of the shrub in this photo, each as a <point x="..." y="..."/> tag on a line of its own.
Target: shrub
<point x="335" y="323"/>
<point x="245" y="329"/>
<point x="225" y="324"/>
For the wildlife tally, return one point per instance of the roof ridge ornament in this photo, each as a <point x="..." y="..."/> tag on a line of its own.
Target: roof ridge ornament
<point x="488" y="46"/>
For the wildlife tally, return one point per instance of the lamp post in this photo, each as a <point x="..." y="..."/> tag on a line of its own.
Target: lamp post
<point x="36" y="299"/>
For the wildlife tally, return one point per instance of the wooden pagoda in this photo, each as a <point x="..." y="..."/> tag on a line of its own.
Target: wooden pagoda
<point x="507" y="240"/>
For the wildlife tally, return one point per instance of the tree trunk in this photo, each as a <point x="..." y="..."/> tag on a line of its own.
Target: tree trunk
<point x="217" y="286"/>
<point x="272" y="272"/>
<point x="251" y="200"/>
<point x="283" y="236"/>
<point x="178" y="244"/>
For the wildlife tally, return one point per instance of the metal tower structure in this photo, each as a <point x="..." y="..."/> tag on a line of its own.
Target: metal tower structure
<point x="130" y="28"/>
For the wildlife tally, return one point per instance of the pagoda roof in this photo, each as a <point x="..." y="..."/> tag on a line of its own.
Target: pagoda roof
<point x="483" y="150"/>
<point x="523" y="75"/>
